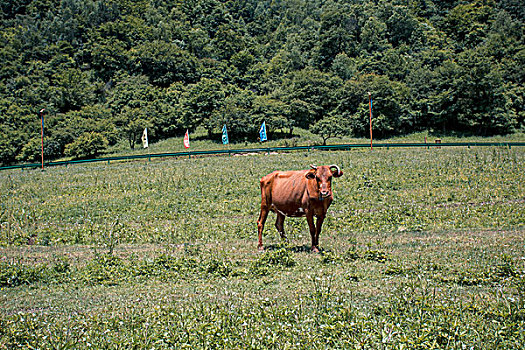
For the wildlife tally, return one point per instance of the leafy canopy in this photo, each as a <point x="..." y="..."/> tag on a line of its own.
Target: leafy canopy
<point x="111" y="68"/>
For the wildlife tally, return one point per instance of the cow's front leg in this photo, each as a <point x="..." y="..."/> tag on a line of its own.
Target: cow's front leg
<point x="318" y="226"/>
<point x="279" y="225"/>
<point x="313" y="232"/>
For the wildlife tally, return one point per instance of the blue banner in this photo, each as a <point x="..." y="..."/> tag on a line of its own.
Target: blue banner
<point x="225" y="140"/>
<point x="262" y="132"/>
<point x="42" y="120"/>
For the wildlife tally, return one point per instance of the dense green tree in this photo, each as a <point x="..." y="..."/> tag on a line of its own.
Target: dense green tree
<point x="31" y="150"/>
<point x="11" y="8"/>
<point x="514" y="7"/>
<point x="132" y="91"/>
<point x="202" y="102"/>
<point x="65" y="128"/>
<point x="330" y="127"/>
<point x="374" y="35"/>
<point x="481" y="99"/>
<point x="314" y="92"/>
<point x="132" y="104"/>
<point x="19" y="125"/>
<point x="401" y="25"/>
<point x="167" y="112"/>
<point x="467" y="22"/>
<point x="164" y="63"/>
<point x="107" y="55"/>
<point x="343" y="66"/>
<point x="72" y="88"/>
<point x="236" y="114"/>
<point x="131" y="122"/>
<point x="337" y="34"/>
<point x="391" y="114"/>
<point x="434" y="96"/>
<point x="228" y="41"/>
<point x="273" y="112"/>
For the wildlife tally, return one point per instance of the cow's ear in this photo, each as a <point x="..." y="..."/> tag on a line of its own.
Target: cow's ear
<point x="310" y="174"/>
<point x="336" y="171"/>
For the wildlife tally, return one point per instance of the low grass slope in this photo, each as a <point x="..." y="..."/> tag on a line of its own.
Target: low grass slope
<point x="422" y="248"/>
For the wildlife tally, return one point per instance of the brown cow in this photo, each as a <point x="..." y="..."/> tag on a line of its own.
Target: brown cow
<point x="296" y="194"/>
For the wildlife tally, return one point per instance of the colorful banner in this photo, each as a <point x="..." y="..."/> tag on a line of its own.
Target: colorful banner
<point x="145" y="138"/>
<point x="370" y="106"/>
<point x="225" y="139"/>
<point x="187" y="140"/>
<point x="42" y="120"/>
<point x="262" y="132"/>
<point x="42" y="133"/>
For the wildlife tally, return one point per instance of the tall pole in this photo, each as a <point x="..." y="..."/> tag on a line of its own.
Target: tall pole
<point x="370" y="107"/>
<point x="42" y="133"/>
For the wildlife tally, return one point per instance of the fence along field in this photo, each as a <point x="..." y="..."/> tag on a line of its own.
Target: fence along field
<point x="421" y="249"/>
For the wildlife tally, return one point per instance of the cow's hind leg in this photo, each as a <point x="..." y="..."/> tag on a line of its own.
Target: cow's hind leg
<point x="260" y="224"/>
<point x="279" y="225"/>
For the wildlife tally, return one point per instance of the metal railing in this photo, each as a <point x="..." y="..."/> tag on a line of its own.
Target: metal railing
<point x="267" y="150"/>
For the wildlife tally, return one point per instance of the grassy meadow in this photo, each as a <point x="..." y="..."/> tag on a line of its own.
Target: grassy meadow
<point x="421" y="248"/>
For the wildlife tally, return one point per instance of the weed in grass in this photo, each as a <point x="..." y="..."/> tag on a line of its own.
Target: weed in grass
<point x="221" y="267"/>
<point x="352" y="254"/>
<point x="266" y="264"/>
<point x="15" y="273"/>
<point x="279" y="257"/>
<point x="351" y="273"/>
<point x="397" y="270"/>
<point x="375" y="255"/>
<point x="328" y="257"/>
<point x="104" y="269"/>
<point x="323" y="294"/>
<point x="506" y="268"/>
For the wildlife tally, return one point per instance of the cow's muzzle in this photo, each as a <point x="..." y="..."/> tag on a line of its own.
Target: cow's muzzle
<point x="323" y="195"/>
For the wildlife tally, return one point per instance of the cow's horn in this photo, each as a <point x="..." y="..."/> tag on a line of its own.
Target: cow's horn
<point x="338" y="170"/>
<point x="313" y="166"/>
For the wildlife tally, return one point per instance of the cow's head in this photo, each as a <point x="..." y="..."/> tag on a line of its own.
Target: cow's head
<point x="320" y="180"/>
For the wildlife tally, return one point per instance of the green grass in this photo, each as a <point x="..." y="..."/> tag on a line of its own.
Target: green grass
<point x="421" y="249"/>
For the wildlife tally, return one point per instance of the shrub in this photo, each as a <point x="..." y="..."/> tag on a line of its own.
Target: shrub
<point x="86" y="145"/>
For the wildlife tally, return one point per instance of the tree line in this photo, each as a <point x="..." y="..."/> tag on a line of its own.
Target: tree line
<point x="106" y="69"/>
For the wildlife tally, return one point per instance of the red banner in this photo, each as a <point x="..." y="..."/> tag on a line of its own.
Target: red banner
<point x="187" y="140"/>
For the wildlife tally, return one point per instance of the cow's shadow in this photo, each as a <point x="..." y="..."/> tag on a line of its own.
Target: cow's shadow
<point x="295" y="249"/>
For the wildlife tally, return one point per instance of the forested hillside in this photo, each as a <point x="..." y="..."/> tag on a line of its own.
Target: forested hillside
<point x="104" y="70"/>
